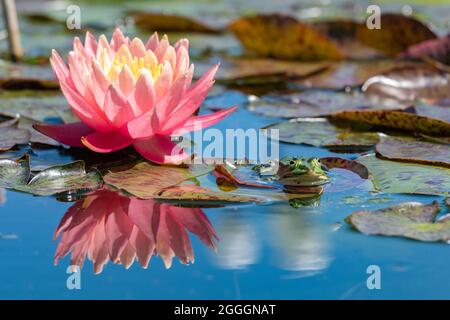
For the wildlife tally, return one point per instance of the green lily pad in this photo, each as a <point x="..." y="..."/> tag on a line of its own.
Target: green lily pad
<point x="308" y="104"/>
<point x="147" y="181"/>
<point x="16" y="175"/>
<point x="414" y="150"/>
<point x="320" y="132"/>
<point x="396" y="120"/>
<point x="398" y="177"/>
<point x="411" y="220"/>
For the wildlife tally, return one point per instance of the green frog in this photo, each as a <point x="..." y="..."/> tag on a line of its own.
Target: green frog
<point x="297" y="174"/>
<point x="301" y="172"/>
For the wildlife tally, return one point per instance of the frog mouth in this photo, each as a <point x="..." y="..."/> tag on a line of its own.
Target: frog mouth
<point x="304" y="180"/>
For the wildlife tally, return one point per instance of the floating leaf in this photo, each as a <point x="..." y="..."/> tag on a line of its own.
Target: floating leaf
<point x="345" y="74"/>
<point x="36" y="136"/>
<point x="409" y="83"/>
<point x="433" y="111"/>
<point x="411" y="220"/>
<point x="11" y="136"/>
<point x="413" y="150"/>
<point x="437" y="49"/>
<point x="16" y="76"/>
<point x="320" y="132"/>
<point x="341" y="163"/>
<point x="399" y="177"/>
<point x="222" y="171"/>
<point x="397" y="33"/>
<point x="396" y="120"/>
<point x="189" y="192"/>
<point x="283" y="37"/>
<point x="32" y="104"/>
<point x="146" y="181"/>
<point x="64" y="178"/>
<point x="160" y="22"/>
<point x="308" y="104"/>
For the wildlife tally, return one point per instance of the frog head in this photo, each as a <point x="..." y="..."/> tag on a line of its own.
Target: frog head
<point x="301" y="172"/>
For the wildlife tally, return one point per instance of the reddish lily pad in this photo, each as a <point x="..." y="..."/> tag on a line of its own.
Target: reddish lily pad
<point x="283" y="37"/>
<point x="414" y="150"/>
<point x="397" y="33"/>
<point x="16" y="175"/>
<point x="341" y="163"/>
<point x="320" y="132"/>
<point x="396" y="120"/>
<point x="411" y="220"/>
<point x="437" y="49"/>
<point x="399" y="177"/>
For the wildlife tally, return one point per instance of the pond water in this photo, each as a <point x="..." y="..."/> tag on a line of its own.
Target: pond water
<point x="269" y="251"/>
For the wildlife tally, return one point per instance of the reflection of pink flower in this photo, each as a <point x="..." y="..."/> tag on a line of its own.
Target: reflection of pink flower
<point x="127" y="93"/>
<point x="107" y="226"/>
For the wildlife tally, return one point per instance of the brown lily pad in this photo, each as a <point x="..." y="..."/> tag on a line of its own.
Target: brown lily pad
<point x="397" y="33"/>
<point x="414" y="150"/>
<point x="396" y="120"/>
<point x="283" y="37"/>
<point x="341" y="163"/>
<point x="12" y="136"/>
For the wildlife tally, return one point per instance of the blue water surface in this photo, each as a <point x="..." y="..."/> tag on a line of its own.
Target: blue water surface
<point x="264" y="252"/>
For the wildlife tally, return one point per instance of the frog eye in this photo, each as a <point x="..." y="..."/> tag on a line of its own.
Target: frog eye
<point x="292" y="162"/>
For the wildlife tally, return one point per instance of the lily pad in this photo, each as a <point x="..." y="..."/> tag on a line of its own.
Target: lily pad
<point x="154" y="21"/>
<point x="397" y="33"/>
<point x="308" y="104"/>
<point x="396" y="120"/>
<point x="11" y="136"/>
<point x="409" y="83"/>
<point x="437" y="49"/>
<point x="414" y="150"/>
<point x="341" y="163"/>
<point x="23" y="76"/>
<point x="436" y="111"/>
<point x="411" y="220"/>
<point x="147" y="181"/>
<point x="398" y="177"/>
<point x="283" y="37"/>
<point x="71" y="177"/>
<point x="320" y="132"/>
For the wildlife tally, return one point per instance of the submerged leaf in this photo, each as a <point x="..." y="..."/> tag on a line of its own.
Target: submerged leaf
<point x="320" y="132"/>
<point x="58" y="179"/>
<point x="396" y="120"/>
<point x="283" y="37"/>
<point x="399" y="177"/>
<point x="410" y="220"/>
<point x="413" y="150"/>
<point x="397" y="33"/>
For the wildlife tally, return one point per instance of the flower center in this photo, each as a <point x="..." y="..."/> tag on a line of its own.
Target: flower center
<point x="134" y="64"/>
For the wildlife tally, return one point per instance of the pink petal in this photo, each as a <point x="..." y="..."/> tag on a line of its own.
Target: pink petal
<point x="104" y="142"/>
<point x="200" y="122"/>
<point x="152" y="42"/>
<point x="118" y="40"/>
<point x="118" y="229"/>
<point x="87" y="113"/>
<point x="59" y="67"/>
<point x="142" y="96"/>
<point x="90" y="44"/>
<point x="160" y="149"/>
<point x="182" y="43"/>
<point x="116" y="107"/>
<point x="99" y="84"/>
<point x="164" y="81"/>
<point x="142" y="127"/>
<point x="126" y="81"/>
<point x="192" y="100"/>
<point x="68" y="134"/>
<point x="137" y="48"/>
<point x="161" y="49"/>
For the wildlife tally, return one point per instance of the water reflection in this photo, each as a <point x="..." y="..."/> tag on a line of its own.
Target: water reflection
<point x="107" y="226"/>
<point x="2" y="196"/>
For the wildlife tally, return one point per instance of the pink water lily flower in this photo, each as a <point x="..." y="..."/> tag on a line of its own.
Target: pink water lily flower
<point x="127" y="93"/>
